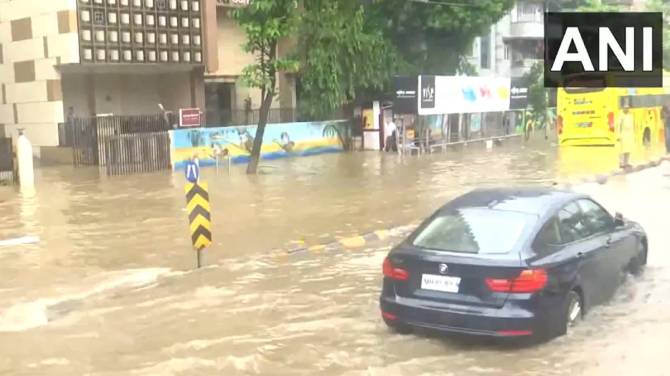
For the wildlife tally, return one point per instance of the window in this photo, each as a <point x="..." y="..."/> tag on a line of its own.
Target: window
<point x="549" y="235"/>
<point x="571" y="226"/>
<point x="99" y="18"/>
<point x="595" y="217"/>
<point x="506" y="51"/>
<point x="474" y="230"/>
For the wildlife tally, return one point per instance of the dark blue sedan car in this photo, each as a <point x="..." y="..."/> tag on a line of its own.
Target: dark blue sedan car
<point x="509" y="263"/>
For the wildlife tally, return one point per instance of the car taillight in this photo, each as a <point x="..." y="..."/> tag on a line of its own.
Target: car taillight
<point x="392" y="272"/>
<point x="559" y="124"/>
<point x="530" y="280"/>
<point x="610" y="121"/>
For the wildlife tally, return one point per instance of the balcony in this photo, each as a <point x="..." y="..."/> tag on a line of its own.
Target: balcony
<point x="526" y="29"/>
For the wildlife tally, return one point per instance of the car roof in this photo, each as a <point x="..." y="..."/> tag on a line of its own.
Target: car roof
<point x="538" y="201"/>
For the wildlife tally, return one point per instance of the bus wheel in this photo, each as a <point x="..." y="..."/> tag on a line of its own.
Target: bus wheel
<point x="646" y="137"/>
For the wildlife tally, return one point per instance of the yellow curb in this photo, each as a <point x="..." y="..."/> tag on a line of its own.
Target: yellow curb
<point x="382" y="234"/>
<point x="353" y="242"/>
<point x="317" y="248"/>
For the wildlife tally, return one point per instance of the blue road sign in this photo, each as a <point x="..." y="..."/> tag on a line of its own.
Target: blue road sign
<point x="192" y="172"/>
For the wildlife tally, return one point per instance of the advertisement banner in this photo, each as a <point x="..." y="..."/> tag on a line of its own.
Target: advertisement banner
<point x="518" y="99"/>
<point x="454" y="95"/>
<point x="405" y="101"/>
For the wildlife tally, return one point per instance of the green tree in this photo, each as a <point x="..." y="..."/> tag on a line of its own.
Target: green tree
<point x="663" y="6"/>
<point x="432" y="36"/>
<point x="537" y="93"/>
<point x="351" y="48"/>
<point x="340" y="54"/>
<point x="266" y="23"/>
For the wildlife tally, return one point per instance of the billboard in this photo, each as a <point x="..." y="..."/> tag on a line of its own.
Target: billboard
<point x="454" y="95"/>
<point x="518" y="99"/>
<point x="405" y="100"/>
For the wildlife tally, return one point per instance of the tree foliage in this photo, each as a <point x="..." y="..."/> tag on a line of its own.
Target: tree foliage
<point x="663" y="6"/>
<point x="350" y="48"/>
<point x="537" y="93"/>
<point x="340" y="53"/>
<point x="265" y="23"/>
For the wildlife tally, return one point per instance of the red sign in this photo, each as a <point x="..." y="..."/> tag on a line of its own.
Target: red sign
<point x="189" y="117"/>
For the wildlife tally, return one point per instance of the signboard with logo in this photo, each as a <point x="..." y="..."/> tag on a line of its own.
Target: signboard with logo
<point x="427" y="89"/>
<point x="189" y="118"/>
<point x="405" y="101"/>
<point x="518" y="99"/>
<point x="454" y="95"/>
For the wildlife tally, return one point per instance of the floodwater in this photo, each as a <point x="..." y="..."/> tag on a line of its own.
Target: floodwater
<point x="110" y="287"/>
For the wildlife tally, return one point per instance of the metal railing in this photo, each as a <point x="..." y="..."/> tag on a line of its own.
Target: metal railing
<point x="6" y="160"/>
<point x="137" y="153"/>
<point x="88" y="136"/>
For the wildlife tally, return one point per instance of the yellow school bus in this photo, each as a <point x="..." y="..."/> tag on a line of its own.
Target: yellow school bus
<point x="589" y="116"/>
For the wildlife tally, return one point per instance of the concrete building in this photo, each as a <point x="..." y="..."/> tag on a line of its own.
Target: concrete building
<point x="227" y="97"/>
<point x="120" y="57"/>
<point x="513" y="44"/>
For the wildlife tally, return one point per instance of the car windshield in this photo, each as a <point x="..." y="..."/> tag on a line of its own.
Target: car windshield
<point x="474" y="230"/>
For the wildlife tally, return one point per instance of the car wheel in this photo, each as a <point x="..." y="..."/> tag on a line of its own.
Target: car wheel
<point x="574" y="310"/>
<point x="637" y="264"/>
<point x="397" y="327"/>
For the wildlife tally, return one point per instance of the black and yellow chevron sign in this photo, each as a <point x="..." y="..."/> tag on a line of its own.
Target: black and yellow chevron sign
<point x="199" y="217"/>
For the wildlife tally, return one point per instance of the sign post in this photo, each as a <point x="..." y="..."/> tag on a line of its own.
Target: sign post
<point x="198" y="209"/>
<point x="189" y="118"/>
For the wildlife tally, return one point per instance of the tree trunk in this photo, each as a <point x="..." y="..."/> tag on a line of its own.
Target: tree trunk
<point x="260" y="130"/>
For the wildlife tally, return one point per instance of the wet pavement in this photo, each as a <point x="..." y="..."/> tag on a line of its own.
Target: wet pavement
<point x="109" y="289"/>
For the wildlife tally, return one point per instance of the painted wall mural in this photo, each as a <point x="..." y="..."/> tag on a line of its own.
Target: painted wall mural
<point x="279" y="141"/>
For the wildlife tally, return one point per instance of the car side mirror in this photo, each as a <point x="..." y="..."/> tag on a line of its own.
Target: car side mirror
<point x="618" y="220"/>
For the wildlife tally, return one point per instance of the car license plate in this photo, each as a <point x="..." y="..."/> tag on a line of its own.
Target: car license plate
<point x="440" y="283"/>
<point x="584" y="125"/>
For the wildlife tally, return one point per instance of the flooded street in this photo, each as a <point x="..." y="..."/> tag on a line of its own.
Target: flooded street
<point x="109" y="289"/>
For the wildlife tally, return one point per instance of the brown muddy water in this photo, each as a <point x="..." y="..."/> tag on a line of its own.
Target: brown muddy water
<point x="109" y="289"/>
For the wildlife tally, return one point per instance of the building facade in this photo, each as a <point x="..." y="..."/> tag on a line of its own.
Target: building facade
<point x="121" y="57"/>
<point x="96" y="57"/>
<point x="513" y="44"/>
<point x="228" y="99"/>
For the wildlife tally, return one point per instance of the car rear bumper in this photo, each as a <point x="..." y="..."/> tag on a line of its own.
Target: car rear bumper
<point x="587" y="141"/>
<point x="511" y="320"/>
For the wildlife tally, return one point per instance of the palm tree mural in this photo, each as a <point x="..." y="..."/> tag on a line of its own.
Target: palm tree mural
<point x="340" y="129"/>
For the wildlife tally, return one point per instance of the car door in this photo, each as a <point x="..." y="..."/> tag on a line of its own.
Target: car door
<point x="594" y="269"/>
<point x="618" y="244"/>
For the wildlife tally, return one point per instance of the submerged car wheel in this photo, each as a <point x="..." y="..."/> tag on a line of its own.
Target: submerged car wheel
<point x="637" y="264"/>
<point x="573" y="310"/>
<point x="397" y="327"/>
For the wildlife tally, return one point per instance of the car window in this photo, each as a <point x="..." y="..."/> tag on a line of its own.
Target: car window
<point x="571" y="224"/>
<point x="595" y="217"/>
<point x="474" y="230"/>
<point x="549" y="235"/>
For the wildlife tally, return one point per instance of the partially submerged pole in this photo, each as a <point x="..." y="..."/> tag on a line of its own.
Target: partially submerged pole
<point x="24" y="159"/>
